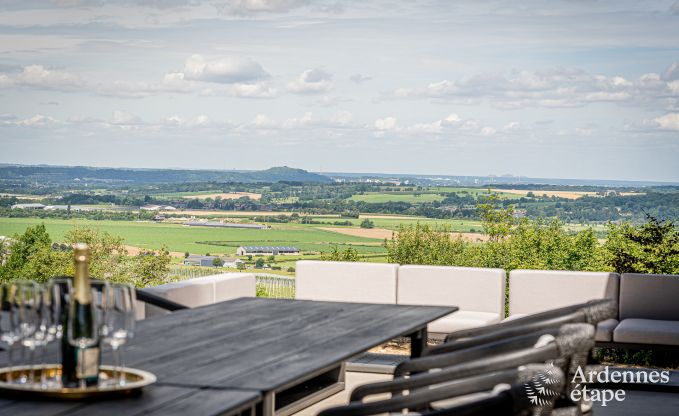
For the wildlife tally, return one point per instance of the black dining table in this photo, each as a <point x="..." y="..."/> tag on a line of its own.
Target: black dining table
<point x="248" y="356"/>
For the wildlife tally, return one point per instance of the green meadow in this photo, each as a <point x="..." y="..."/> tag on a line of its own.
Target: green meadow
<point x="200" y="240"/>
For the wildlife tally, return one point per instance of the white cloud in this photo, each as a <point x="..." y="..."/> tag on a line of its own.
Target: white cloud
<point x="121" y="117"/>
<point x="38" y="120"/>
<point x="5" y="81"/>
<point x="247" y="7"/>
<point x="259" y="90"/>
<point x="197" y="121"/>
<point x="341" y="118"/>
<point x="359" y="78"/>
<point x="452" y="118"/>
<point x="262" y="121"/>
<point x="511" y="126"/>
<point x="38" y="76"/>
<point x="226" y="70"/>
<point x="297" y="122"/>
<point x="549" y="88"/>
<point x="311" y="81"/>
<point x="488" y="131"/>
<point x="669" y="121"/>
<point x="387" y="123"/>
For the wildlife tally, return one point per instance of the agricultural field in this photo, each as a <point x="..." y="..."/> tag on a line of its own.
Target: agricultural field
<point x="229" y="195"/>
<point x="200" y="240"/>
<point x="431" y="194"/>
<point x="413" y="198"/>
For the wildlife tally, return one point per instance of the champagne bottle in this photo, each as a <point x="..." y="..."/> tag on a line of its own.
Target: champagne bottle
<point x="80" y="362"/>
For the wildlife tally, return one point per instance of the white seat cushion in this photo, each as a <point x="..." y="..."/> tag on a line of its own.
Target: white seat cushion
<point x="460" y="320"/>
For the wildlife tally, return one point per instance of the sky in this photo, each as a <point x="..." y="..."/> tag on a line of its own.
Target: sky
<point x="540" y="88"/>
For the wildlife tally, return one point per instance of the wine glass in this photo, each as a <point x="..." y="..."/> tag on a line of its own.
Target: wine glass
<point x="55" y="295"/>
<point x="28" y="300"/>
<point x="9" y="322"/>
<point x="119" y="320"/>
<point x="82" y="331"/>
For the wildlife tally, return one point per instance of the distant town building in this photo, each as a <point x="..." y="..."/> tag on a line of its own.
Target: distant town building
<point x="159" y="217"/>
<point x="265" y="250"/>
<point x="209" y="261"/>
<point x="28" y="206"/>
<point x="224" y="224"/>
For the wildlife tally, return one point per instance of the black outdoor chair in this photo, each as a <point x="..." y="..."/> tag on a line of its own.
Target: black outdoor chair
<point x="158" y="301"/>
<point x="571" y="341"/>
<point x="505" y="392"/>
<point x="591" y="312"/>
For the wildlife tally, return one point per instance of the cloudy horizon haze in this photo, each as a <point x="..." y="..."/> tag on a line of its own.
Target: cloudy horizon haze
<point x="580" y="89"/>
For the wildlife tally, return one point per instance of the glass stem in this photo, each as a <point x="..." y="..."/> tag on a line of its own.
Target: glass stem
<point x="43" y="370"/>
<point x="31" y="363"/>
<point x="11" y="362"/>
<point x="121" y="365"/>
<point x="116" y="364"/>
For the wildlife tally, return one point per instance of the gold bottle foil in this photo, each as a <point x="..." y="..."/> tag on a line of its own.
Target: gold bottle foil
<point x="82" y="290"/>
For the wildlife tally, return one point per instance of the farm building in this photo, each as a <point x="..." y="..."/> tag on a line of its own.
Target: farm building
<point x="224" y="224"/>
<point x="28" y="206"/>
<point x="151" y="207"/>
<point x="266" y="250"/>
<point x="209" y="261"/>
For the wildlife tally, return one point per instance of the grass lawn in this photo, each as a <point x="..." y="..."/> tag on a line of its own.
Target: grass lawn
<point x="200" y="239"/>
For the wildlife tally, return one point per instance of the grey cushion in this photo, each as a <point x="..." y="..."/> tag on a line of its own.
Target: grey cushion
<point x="604" y="330"/>
<point x="647" y="331"/>
<point x="648" y="296"/>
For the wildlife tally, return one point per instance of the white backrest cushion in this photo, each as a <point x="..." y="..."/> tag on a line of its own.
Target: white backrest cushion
<point x="191" y="293"/>
<point x="532" y="291"/>
<point x="233" y="285"/>
<point x="346" y="281"/>
<point x="469" y="288"/>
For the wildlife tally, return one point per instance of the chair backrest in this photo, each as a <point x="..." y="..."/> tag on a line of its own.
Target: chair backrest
<point x="533" y="291"/>
<point x="203" y="290"/>
<point x="469" y="288"/>
<point x="346" y="281"/>
<point x="649" y="296"/>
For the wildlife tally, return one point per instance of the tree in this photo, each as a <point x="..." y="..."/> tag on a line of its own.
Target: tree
<point x="259" y="263"/>
<point x="497" y="221"/>
<point x="32" y="257"/>
<point x="366" y="223"/>
<point x="350" y="254"/>
<point x="240" y="266"/>
<point x="217" y="262"/>
<point x="186" y="255"/>
<point x="652" y="247"/>
<point x="271" y="259"/>
<point x="150" y="269"/>
<point x="290" y="269"/>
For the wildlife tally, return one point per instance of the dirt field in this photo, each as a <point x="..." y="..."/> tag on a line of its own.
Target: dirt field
<point x="537" y="192"/>
<point x="233" y="195"/>
<point x="382" y="233"/>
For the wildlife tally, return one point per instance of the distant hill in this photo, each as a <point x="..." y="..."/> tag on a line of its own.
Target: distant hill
<point x="67" y="174"/>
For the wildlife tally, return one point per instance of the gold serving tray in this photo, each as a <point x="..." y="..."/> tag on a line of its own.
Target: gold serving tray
<point x="134" y="381"/>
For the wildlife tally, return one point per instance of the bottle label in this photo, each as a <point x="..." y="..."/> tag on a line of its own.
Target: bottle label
<point x="88" y="362"/>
